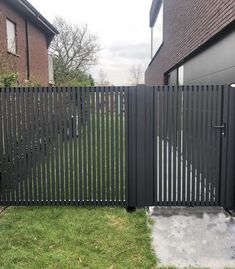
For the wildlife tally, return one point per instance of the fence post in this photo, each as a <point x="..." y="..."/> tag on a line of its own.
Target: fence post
<point x="228" y="151"/>
<point x="140" y="144"/>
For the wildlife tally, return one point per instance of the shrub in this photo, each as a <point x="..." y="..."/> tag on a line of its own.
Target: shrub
<point x="9" y="80"/>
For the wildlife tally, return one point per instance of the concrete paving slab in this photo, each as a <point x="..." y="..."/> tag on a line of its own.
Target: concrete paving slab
<point x="186" y="237"/>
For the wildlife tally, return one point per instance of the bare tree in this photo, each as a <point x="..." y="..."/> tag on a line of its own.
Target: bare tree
<point x="103" y="79"/>
<point x="136" y="74"/>
<point x="75" y="48"/>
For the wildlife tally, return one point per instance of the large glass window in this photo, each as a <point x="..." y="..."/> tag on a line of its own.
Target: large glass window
<point x="11" y="36"/>
<point x="157" y="32"/>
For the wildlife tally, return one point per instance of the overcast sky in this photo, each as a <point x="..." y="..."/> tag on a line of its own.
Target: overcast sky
<point x="121" y="25"/>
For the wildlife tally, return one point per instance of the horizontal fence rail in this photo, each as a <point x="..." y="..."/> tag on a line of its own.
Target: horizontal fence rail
<point x="63" y="146"/>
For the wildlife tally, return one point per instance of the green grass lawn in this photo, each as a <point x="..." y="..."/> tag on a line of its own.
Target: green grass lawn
<point x="90" y="166"/>
<point x="69" y="237"/>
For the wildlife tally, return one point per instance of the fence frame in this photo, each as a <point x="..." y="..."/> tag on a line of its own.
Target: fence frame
<point x="139" y="130"/>
<point x="228" y="151"/>
<point x="142" y="183"/>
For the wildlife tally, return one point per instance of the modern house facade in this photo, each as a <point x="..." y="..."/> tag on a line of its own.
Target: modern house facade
<point x="193" y="42"/>
<point x="25" y="37"/>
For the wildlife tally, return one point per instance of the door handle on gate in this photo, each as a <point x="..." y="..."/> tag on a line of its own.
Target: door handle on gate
<point x="222" y="127"/>
<point x="219" y="126"/>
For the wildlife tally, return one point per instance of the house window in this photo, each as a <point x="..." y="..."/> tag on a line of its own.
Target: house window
<point x="11" y="36"/>
<point x="157" y="32"/>
<point x="181" y="75"/>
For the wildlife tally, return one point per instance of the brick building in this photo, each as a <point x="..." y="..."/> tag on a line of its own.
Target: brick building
<point x="193" y="42"/>
<point x="25" y="36"/>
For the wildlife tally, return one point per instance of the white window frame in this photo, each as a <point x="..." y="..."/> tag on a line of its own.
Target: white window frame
<point x="11" y="36"/>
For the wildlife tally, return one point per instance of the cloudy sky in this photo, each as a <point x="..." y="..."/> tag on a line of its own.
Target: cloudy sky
<point x="122" y="28"/>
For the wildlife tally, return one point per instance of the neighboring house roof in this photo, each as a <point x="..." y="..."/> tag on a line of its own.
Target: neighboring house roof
<point x="24" y="7"/>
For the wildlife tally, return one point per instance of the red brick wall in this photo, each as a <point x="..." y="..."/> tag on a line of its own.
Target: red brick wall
<point x="21" y="59"/>
<point x="38" y="55"/>
<point x="37" y="47"/>
<point x="187" y="25"/>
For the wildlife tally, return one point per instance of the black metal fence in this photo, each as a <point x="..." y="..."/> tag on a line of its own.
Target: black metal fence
<point x="129" y="146"/>
<point x="63" y="146"/>
<point x="181" y="142"/>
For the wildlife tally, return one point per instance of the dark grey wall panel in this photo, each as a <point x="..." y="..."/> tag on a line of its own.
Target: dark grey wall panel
<point x="215" y="65"/>
<point x="172" y="78"/>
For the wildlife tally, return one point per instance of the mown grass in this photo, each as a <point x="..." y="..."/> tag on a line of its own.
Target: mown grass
<point x="68" y="237"/>
<point x="91" y="164"/>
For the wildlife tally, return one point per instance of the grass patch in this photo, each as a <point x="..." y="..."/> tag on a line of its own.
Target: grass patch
<point x="68" y="237"/>
<point x="90" y="166"/>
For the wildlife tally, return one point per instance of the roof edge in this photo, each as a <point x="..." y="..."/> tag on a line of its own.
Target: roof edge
<point x="228" y="29"/>
<point x="25" y="6"/>
<point x="39" y="16"/>
<point x="155" y="8"/>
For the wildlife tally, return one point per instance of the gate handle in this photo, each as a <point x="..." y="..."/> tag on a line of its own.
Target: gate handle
<point x="219" y="126"/>
<point x="223" y="127"/>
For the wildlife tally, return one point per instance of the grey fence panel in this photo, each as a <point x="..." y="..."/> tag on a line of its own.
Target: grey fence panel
<point x="63" y="146"/>
<point x="227" y="193"/>
<point x="141" y="141"/>
<point x="189" y="164"/>
<point x="135" y="146"/>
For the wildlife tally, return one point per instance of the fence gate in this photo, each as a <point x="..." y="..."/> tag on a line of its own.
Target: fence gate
<point x="63" y="146"/>
<point x="181" y="146"/>
<point x="129" y="146"/>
